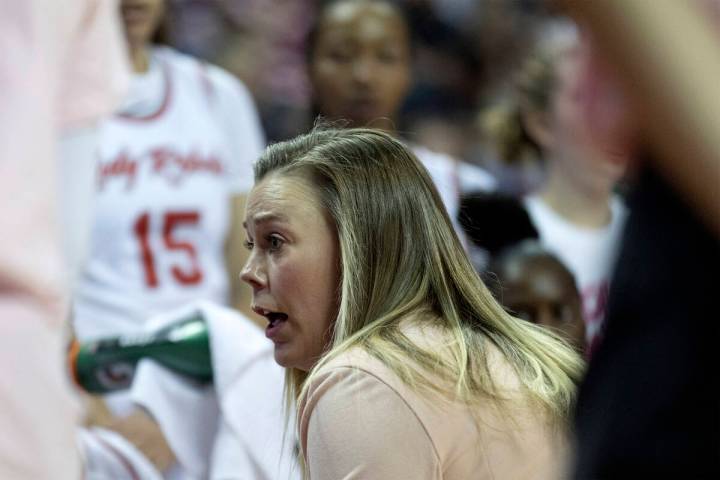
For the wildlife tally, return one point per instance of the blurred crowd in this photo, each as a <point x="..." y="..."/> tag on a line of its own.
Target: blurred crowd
<point x="463" y="54"/>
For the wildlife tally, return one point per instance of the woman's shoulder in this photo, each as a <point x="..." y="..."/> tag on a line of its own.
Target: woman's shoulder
<point x="359" y="362"/>
<point x="356" y="401"/>
<point x="350" y="379"/>
<point x="353" y="418"/>
<point x="343" y="380"/>
<point x="355" y="357"/>
<point x="347" y="373"/>
<point x="355" y="379"/>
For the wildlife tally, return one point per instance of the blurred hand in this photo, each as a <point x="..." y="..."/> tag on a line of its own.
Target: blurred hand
<point x="138" y="428"/>
<point x="143" y="432"/>
<point x="96" y="412"/>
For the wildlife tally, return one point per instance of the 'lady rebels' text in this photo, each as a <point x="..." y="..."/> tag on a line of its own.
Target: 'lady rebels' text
<point x="171" y="165"/>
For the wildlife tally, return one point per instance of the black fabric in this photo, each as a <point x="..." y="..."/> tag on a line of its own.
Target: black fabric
<point x="649" y="406"/>
<point x="494" y="222"/>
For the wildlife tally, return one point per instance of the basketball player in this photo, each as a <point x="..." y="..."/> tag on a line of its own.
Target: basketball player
<point x="173" y="166"/>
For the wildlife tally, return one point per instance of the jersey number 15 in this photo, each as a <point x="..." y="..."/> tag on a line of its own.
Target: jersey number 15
<point x="191" y="274"/>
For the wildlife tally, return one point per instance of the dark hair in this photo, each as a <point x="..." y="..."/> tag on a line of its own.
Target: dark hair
<point x="163" y="34"/>
<point x="324" y="5"/>
<point x="494" y="221"/>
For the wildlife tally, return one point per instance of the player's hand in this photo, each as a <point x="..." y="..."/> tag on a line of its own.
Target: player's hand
<point x="143" y="432"/>
<point x="96" y="411"/>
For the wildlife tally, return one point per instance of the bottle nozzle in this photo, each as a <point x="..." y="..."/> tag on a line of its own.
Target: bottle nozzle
<point x="73" y="353"/>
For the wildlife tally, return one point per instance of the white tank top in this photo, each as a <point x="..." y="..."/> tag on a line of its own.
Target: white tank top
<point x="169" y="163"/>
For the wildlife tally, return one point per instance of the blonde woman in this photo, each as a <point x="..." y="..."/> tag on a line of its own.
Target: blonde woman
<point x="402" y="364"/>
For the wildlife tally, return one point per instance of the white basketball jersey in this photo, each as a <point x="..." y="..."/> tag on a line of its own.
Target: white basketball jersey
<point x="169" y="164"/>
<point x="452" y="178"/>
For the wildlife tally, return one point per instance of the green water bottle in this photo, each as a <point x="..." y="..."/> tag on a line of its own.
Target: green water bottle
<point x="108" y="364"/>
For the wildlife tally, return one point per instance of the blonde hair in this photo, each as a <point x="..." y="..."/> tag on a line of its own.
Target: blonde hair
<point x="533" y="87"/>
<point x="400" y="257"/>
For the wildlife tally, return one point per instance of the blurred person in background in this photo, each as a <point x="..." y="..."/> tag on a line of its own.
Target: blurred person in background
<point x="533" y="284"/>
<point x="359" y="62"/>
<point x="648" y="407"/>
<point x="575" y="212"/>
<point x="63" y="67"/>
<point x="446" y="72"/>
<point x="463" y="51"/>
<point x="263" y="44"/>
<point x="459" y="56"/>
<point x="259" y="41"/>
<point x="174" y="164"/>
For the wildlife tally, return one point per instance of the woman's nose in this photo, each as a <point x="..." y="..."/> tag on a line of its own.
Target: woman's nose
<point x="364" y="71"/>
<point x="253" y="273"/>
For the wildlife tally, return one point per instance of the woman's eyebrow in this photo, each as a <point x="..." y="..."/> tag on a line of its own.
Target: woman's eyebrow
<point x="266" y="217"/>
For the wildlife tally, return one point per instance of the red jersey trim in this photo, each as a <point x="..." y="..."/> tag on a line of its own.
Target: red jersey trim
<point x="163" y="106"/>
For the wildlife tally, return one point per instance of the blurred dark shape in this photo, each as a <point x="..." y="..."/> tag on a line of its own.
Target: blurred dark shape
<point x="649" y="407"/>
<point x="446" y="66"/>
<point x="495" y="222"/>
<point x="502" y="34"/>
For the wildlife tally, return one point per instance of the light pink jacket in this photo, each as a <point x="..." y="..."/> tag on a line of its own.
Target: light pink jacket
<point x="360" y="421"/>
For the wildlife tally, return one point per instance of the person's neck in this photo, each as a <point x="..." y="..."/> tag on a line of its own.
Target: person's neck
<point x="140" y="58"/>
<point x="576" y="203"/>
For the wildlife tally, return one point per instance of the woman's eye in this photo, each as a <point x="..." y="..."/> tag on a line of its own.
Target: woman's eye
<point x="341" y="55"/>
<point x="275" y="243"/>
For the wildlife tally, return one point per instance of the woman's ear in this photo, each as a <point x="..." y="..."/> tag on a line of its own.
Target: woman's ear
<point x="537" y="125"/>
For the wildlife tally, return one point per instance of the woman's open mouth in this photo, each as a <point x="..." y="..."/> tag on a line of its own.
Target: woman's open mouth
<point x="275" y="319"/>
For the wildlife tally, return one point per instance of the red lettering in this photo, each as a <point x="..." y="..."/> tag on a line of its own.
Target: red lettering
<point x="594" y="299"/>
<point x="173" y="220"/>
<point x="165" y="162"/>
<point x="191" y="274"/>
<point x="141" y="228"/>
<point x="121" y="166"/>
